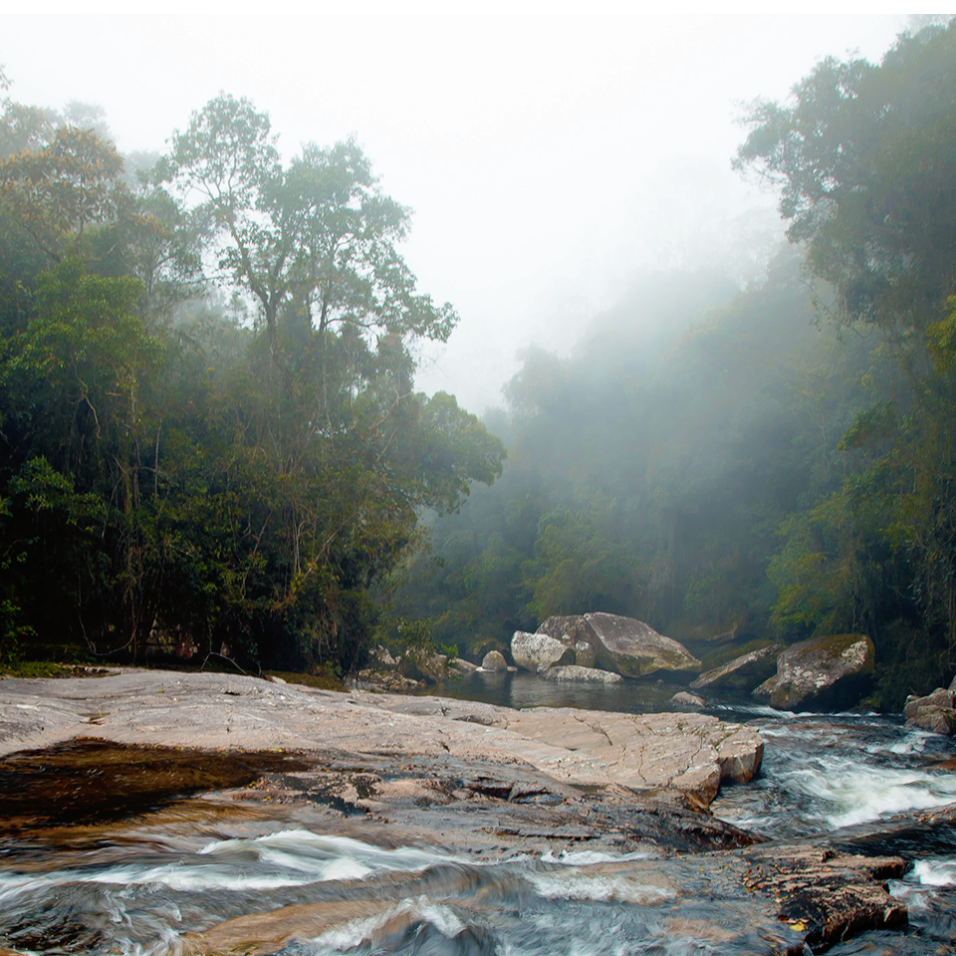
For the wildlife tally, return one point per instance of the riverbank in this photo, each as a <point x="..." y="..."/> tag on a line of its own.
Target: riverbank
<point x="486" y="783"/>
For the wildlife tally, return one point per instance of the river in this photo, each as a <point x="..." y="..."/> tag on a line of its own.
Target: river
<point x="143" y="887"/>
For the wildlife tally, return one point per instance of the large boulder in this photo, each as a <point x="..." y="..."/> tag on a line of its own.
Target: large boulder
<point x="572" y="631"/>
<point x="633" y="648"/>
<point x="743" y="673"/>
<point x="538" y="652"/>
<point x="823" y="672"/>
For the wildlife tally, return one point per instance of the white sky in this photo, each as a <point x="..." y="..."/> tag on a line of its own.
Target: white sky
<point x="547" y="157"/>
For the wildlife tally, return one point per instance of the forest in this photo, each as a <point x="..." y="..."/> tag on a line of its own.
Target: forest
<point x="210" y="436"/>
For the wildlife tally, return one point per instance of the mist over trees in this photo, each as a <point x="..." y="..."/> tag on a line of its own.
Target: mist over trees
<point x="771" y="463"/>
<point x="209" y="427"/>
<point x="168" y="466"/>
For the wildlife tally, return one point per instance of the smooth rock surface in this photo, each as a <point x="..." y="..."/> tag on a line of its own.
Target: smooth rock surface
<point x="824" y="672"/>
<point x="683" y="699"/>
<point x="743" y="673"/>
<point x="633" y="648"/>
<point x="687" y="753"/>
<point x="494" y="661"/>
<point x="572" y="672"/>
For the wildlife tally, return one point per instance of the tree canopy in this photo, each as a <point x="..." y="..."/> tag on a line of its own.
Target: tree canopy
<point x="172" y="475"/>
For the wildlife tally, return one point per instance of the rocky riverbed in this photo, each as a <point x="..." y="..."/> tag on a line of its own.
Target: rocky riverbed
<point x="84" y="756"/>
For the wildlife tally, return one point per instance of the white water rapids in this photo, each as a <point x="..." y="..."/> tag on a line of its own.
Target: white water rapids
<point x="149" y="889"/>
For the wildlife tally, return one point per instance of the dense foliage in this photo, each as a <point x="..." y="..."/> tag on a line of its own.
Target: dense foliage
<point x="772" y="463"/>
<point x="209" y="436"/>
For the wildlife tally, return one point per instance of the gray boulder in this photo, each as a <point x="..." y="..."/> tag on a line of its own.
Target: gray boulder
<point x="573" y="672"/>
<point x="583" y="654"/>
<point x="824" y="672"/>
<point x="683" y="699"/>
<point x="633" y="648"/>
<point x="934" y="712"/>
<point x="494" y="661"/>
<point x="538" y="652"/>
<point x="571" y="629"/>
<point x="743" y="673"/>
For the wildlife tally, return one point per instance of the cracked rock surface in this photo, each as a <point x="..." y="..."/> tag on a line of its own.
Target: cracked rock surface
<point x="687" y="753"/>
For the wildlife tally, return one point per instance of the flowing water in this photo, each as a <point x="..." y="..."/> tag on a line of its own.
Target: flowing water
<point x="145" y="886"/>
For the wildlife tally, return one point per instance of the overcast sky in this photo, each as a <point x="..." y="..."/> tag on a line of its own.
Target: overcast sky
<point x="547" y="158"/>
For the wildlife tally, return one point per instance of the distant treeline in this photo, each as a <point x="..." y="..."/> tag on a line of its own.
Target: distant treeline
<point x="209" y="437"/>
<point x="772" y="463"/>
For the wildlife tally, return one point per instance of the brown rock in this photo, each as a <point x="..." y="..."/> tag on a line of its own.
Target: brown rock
<point x="827" y="895"/>
<point x="937" y="720"/>
<point x="939" y="698"/>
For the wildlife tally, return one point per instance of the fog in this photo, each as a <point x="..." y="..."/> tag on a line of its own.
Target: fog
<point x="549" y="159"/>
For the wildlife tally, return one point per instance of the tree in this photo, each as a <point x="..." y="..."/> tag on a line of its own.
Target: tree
<point x="316" y="237"/>
<point x="864" y="157"/>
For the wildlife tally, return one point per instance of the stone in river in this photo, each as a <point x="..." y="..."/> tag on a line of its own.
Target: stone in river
<point x="538" y="652"/>
<point x="495" y="662"/>
<point x="934" y="712"/>
<point x="683" y="699"/>
<point x="823" y="672"/>
<point x="633" y="648"/>
<point x="572" y="672"/>
<point x="743" y="673"/>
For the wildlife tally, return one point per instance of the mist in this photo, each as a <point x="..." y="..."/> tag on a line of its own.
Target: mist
<point x="548" y="159"/>
<point x="417" y="330"/>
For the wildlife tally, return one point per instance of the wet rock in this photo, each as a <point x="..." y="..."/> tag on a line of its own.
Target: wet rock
<point x="934" y="712"/>
<point x="570" y="629"/>
<point x="633" y="648"/>
<point x="825" y="895"/>
<point x="538" y="652"/>
<point x="683" y="753"/>
<point x="572" y="672"/>
<point x="495" y="662"/>
<point x="686" y="753"/>
<point x="939" y="698"/>
<point x="937" y="720"/>
<point x="683" y="699"/>
<point x="743" y="673"/>
<point x="823" y="672"/>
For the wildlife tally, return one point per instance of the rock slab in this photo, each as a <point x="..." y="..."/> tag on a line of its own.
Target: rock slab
<point x="684" y="753"/>
<point x="743" y="673"/>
